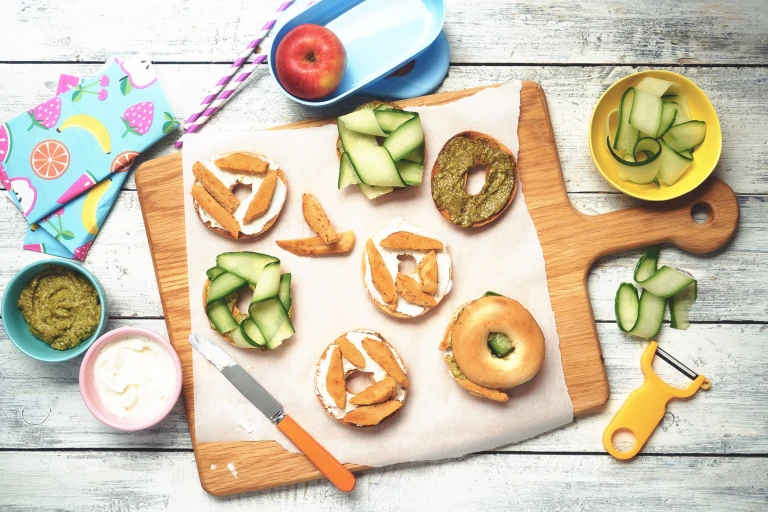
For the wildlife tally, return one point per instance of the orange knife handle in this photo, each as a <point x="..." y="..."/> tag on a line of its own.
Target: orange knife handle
<point x="334" y="470"/>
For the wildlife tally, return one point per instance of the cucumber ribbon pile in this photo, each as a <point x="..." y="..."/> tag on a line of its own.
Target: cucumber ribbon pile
<point x="643" y="317"/>
<point x="651" y="135"/>
<point x="378" y="170"/>
<point x="269" y="323"/>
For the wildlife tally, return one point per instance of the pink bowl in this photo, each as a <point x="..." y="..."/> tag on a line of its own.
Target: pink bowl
<point x="91" y="395"/>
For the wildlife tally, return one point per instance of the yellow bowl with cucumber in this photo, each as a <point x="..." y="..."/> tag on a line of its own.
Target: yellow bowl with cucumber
<point x="655" y="135"/>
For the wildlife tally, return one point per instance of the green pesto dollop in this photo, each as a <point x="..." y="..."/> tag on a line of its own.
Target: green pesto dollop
<point x="454" y="367"/>
<point x="456" y="158"/>
<point x="61" y="307"/>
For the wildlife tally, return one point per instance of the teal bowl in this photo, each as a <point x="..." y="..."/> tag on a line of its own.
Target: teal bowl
<point x="16" y="327"/>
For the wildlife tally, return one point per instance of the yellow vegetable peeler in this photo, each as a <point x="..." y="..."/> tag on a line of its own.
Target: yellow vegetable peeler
<point x="645" y="406"/>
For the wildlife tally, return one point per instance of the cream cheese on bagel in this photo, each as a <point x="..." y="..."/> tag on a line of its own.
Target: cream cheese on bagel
<point x="371" y="367"/>
<point x="390" y="257"/>
<point x="230" y="180"/>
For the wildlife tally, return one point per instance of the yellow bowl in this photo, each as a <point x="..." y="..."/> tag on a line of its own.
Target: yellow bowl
<point x="705" y="157"/>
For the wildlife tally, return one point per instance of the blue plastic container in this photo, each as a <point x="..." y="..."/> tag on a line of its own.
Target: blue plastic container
<point x="379" y="36"/>
<point x="429" y="69"/>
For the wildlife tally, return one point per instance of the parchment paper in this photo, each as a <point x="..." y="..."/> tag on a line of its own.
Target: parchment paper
<point x="439" y="419"/>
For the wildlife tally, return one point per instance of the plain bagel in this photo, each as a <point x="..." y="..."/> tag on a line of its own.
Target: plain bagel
<point x="467" y="350"/>
<point x="504" y="158"/>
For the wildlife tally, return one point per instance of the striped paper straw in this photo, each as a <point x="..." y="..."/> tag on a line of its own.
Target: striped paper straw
<point x="224" y="80"/>
<point x="225" y="96"/>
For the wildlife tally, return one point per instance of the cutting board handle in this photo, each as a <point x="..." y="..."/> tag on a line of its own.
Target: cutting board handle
<point x="671" y="221"/>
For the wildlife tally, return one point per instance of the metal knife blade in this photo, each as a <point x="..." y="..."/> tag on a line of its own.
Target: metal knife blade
<point x="239" y="378"/>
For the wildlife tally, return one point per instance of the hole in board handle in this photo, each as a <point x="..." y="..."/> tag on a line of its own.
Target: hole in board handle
<point x="702" y="213"/>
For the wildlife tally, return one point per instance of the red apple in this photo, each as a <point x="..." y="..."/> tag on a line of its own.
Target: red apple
<point x="310" y="61"/>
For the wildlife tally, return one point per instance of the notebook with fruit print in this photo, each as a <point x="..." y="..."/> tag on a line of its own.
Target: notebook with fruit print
<point x="65" y="159"/>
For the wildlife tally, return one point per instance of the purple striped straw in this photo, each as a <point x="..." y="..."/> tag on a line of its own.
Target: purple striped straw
<point x="224" y="80"/>
<point x="225" y="96"/>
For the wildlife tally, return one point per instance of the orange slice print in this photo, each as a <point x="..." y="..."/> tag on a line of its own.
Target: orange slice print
<point x="50" y="159"/>
<point x="123" y="161"/>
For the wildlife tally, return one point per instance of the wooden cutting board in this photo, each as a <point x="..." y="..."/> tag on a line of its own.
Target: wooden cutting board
<point x="571" y="242"/>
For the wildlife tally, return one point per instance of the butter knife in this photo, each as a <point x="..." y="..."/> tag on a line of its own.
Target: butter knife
<point x="334" y="470"/>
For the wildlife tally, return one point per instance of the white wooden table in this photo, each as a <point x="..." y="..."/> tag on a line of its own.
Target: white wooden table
<point x="709" y="453"/>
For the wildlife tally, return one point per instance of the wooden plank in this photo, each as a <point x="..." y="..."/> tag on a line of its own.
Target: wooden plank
<point x="167" y="481"/>
<point x="528" y="31"/>
<point x="570" y="242"/>
<point x="129" y="279"/>
<point x="160" y="185"/>
<point x="571" y="94"/>
<point x="42" y="408"/>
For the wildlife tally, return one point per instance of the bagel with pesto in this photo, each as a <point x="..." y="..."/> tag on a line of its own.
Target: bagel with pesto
<point x="492" y="344"/>
<point x="463" y="152"/>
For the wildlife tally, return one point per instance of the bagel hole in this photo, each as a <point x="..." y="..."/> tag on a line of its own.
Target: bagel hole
<point x="407" y="263"/>
<point x="358" y="381"/>
<point x="500" y="345"/>
<point x="623" y="440"/>
<point x="242" y="191"/>
<point x="244" y="297"/>
<point x="475" y="179"/>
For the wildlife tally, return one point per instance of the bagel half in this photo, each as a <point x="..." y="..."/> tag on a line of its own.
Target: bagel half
<point x="242" y="236"/>
<point x="475" y="136"/>
<point x="471" y="362"/>
<point x="445" y="270"/>
<point x="236" y="313"/>
<point x="372" y="105"/>
<point x="380" y="410"/>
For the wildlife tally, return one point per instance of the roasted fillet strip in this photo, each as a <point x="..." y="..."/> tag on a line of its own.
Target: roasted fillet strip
<point x="410" y="290"/>
<point x="263" y="198"/>
<point x="370" y="415"/>
<point x="334" y="379"/>
<point x="381" y="353"/>
<point x="376" y="393"/>
<point x="215" y="188"/>
<point x="317" y="219"/>
<point x="242" y="163"/>
<point x="210" y="205"/>
<point x="350" y="352"/>
<point x="427" y="270"/>
<point x="382" y="280"/>
<point x="410" y="241"/>
<point x="315" y="246"/>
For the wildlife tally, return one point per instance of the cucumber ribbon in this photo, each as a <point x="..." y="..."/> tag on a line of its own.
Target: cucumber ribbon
<point x="643" y="316"/>
<point x="653" y="121"/>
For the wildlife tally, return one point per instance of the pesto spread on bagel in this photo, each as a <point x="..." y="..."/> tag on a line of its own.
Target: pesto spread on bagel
<point x="449" y="176"/>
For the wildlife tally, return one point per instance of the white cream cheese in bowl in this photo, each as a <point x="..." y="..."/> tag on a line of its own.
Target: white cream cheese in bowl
<point x="130" y="378"/>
